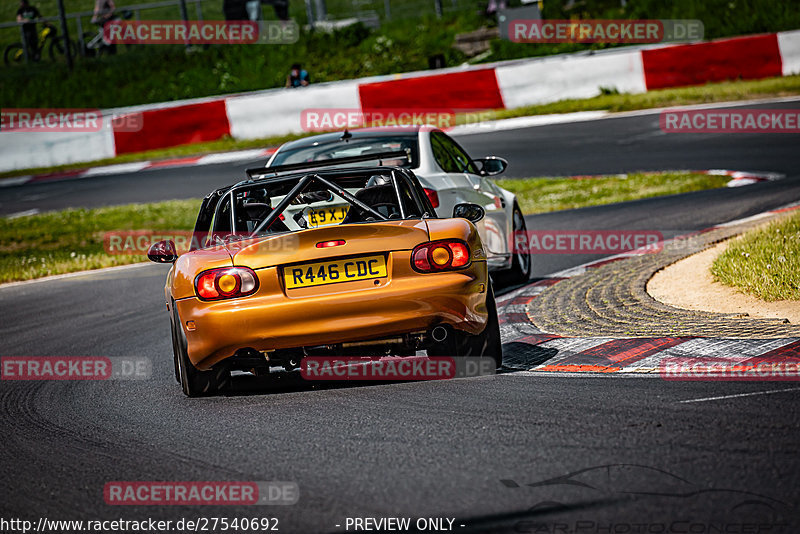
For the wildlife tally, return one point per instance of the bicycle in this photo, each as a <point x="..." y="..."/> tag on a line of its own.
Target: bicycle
<point x="48" y="38"/>
<point x="94" y="44"/>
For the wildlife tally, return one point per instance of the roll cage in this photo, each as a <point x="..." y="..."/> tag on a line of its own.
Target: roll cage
<point x="224" y="213"/>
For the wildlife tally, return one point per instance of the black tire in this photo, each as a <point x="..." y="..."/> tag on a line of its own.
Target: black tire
<point x="485" y="344"/>
<point x="57" y="49"/>
<point x="14" y="54"/>
<point x="520" y="271"/>
<point x="175" y="350"/>
<point x="195" y="383"/>
<point x="87" y="38"/>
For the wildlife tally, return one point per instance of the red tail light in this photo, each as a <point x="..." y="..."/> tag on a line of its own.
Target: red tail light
<point x="436" y="256"/>
<point x="433" y="196"/>
<point x="226" y="283"/>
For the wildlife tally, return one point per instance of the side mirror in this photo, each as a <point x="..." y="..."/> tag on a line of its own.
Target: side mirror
<point x="491" y="165"/>
<point x="162" y="252"/>
<point x="470" y="212"/>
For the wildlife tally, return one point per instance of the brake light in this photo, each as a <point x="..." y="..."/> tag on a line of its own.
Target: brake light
<point x="226" y="283"/>
<point x="437" y="256"/>
<point x="326" y="244"/>
<point x="433" y="196"/>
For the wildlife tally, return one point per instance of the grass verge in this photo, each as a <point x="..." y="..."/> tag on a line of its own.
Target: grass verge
<point x="539" y="195"/>
<point x="72" y="240"/>
<point x="764" y="262"/>
<point x="714" y="92"/>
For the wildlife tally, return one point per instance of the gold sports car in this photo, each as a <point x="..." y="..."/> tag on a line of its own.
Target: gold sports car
<point x="325" y="258"/>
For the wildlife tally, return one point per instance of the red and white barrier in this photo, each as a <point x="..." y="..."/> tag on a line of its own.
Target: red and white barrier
<point x="507" y="84"/>
<point x="574" y="76"/>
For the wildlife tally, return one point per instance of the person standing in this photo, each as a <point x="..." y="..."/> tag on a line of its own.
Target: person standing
<point x="104" y="11"/>
<point x="28" y="15"/>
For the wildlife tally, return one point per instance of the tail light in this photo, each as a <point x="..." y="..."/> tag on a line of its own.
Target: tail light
<point x="436" y="256"/>
<point x="226" y="283"/>
<point x="326" y="244"/>
<point x="433" y="196"/>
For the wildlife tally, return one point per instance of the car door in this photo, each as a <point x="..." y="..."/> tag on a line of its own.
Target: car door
<point x="478" y="190"/>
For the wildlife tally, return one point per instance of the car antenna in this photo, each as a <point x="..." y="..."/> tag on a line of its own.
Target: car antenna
<point x="345" y="136"/>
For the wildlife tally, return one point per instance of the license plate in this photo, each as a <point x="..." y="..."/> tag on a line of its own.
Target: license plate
<point x="326" y="216"/>
<point x="333" y="272"/>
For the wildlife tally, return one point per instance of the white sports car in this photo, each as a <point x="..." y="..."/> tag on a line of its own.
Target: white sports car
<point x="445" y="170"/>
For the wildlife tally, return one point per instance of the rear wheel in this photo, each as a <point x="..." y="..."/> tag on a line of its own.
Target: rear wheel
<point x="195" y="383"/>
<point x="520" y="271"/>
<point x="486" y="344"/>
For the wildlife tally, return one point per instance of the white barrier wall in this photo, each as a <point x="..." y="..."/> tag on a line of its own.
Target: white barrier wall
<point x="279" y="112"/>
<point x="24" y="150"/>
<point x="580" y="76"/>
<point x="789" y="46"/>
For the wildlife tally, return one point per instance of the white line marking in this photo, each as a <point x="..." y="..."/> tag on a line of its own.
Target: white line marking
<point x="75" y="274"/>
<point x="585" y="116"/>
<point x="227" y="157"/>
<point x="19" y="180"/>
<point x="516" y="123"/>
<point x="739" y="395"/>
<point x="120" y="168"/>
<point x="25" y="213"/>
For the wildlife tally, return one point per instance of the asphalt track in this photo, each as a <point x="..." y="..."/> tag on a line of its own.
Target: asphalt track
<point x="516" y="452"/>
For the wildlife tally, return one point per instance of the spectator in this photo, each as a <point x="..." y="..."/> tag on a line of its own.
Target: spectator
<point x="297" y="77"/>
<point x="103" y="11"/>
<point x="28" y="15"/>
<point x="493" y="6"/>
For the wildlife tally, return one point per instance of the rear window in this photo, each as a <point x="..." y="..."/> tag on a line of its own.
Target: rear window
<point x="354" y="147"/>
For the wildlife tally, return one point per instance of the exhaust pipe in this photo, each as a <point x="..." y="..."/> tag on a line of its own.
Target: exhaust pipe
<point x="439" y="333"/>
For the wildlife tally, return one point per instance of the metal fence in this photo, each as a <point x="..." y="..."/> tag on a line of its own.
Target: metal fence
<point x="393" y="9"/>
<point x="305" y="12"/>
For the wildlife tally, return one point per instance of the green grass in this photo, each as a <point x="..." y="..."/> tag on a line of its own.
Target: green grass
<point x="716" y="92"/>
<point x="72" y="240"/>
<point x="144" y="74"/>
<point x="540" y="195"/>
<point x="158" y="73"/>
<point x="764" y="262"/>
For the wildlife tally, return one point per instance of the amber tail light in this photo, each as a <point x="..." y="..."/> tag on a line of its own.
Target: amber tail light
<point x="226" y="283"/>
<point x="435" y="256"/>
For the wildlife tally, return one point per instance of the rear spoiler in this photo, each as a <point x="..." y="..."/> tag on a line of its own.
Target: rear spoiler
<point x="263" y="171"/>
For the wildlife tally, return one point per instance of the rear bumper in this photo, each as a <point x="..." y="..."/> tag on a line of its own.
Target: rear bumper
<point x="274" y="319"/>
